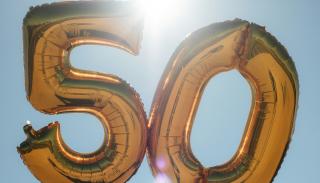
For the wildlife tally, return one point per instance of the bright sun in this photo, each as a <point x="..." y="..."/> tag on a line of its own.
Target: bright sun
<point x="159" y="12"/>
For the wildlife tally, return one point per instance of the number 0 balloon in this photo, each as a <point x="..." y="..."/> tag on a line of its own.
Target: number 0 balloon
<point x="274" y="84"/>
<point x="53" y="86"/>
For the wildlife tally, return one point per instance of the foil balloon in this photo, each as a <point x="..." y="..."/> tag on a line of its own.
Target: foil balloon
<point x="269" y="70"/>
<point x="53" y="86"/>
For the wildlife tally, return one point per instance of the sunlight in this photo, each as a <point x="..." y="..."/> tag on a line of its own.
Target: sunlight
<point x="159" y="13"/>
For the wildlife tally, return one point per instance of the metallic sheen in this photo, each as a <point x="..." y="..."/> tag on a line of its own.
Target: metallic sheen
<point x="268" y="68"/>
<point x="53" y="86"/>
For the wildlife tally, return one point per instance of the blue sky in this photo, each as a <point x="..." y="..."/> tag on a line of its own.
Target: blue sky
<point x="224" y="107"/>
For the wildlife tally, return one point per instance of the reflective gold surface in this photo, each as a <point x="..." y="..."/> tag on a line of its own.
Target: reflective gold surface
<point x="53" y="86"/>
<point x="274" y="82"/>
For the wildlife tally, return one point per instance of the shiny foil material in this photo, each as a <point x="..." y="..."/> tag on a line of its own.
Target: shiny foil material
<point x="53" y="86"/>
<point x="268" y="68"/>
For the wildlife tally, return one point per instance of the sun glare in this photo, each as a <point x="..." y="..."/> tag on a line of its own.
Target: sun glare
<point x="159" y="13"/>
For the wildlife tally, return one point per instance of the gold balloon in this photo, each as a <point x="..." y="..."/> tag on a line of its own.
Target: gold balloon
<point x="265" y="64"/>
<point x="53" y="86"/>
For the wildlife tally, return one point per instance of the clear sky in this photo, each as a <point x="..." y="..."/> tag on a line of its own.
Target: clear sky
<point x="224" y="107"/>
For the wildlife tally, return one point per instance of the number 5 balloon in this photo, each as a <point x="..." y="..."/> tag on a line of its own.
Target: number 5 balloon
<point x="53" y="86"/>
<point x="273" y="79"/>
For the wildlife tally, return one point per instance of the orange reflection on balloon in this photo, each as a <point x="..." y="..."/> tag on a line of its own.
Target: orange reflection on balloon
<point x="273" y="79"/>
